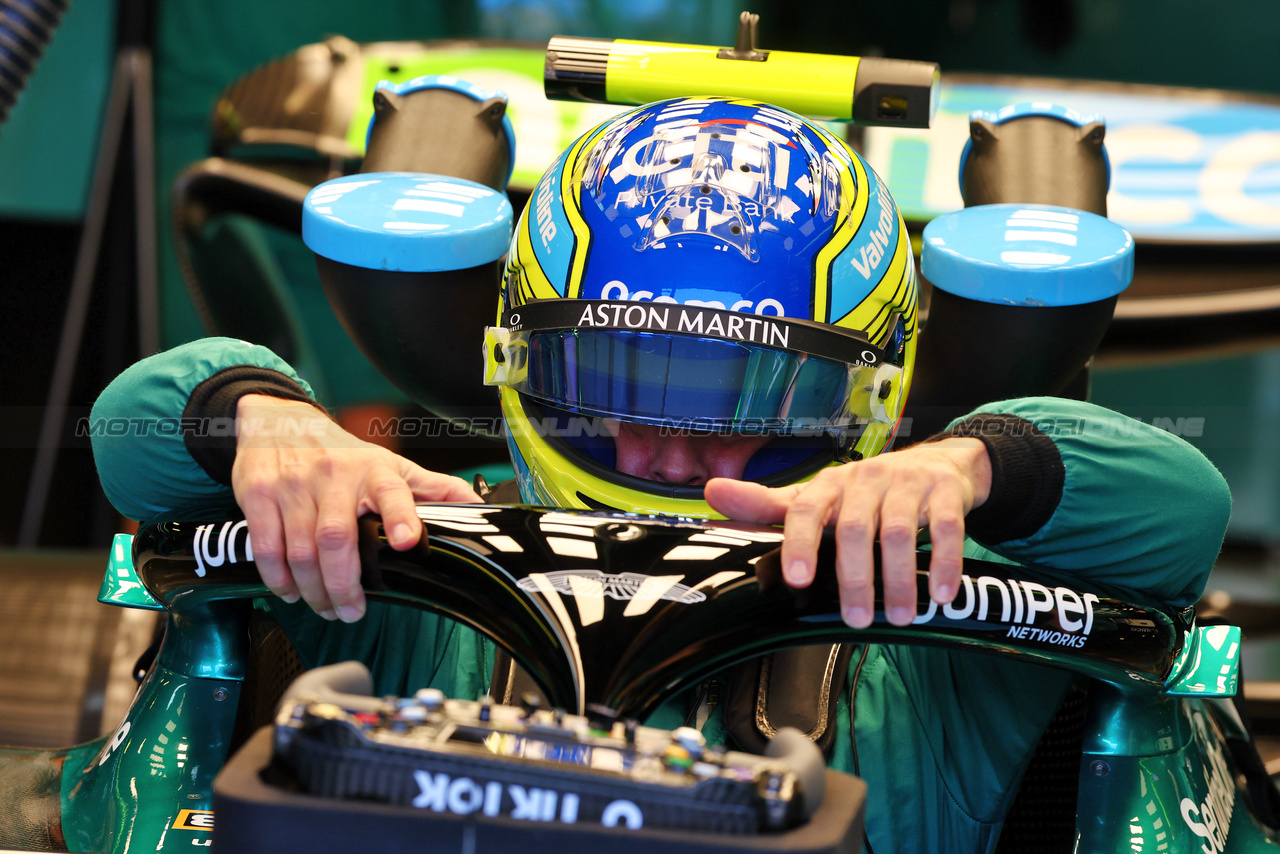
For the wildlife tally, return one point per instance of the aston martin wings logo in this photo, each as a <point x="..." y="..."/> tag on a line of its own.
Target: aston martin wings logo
<point x="623" y="586"/>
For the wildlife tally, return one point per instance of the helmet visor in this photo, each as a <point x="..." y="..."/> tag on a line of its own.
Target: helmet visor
<point x="744" y="373"/>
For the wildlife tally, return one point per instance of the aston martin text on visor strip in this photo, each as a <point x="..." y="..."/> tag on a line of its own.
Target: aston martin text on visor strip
<point x="800" y="336"/>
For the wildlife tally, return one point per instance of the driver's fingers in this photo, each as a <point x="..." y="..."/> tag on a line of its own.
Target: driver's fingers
<point x="388" y="495"/>
<point x="266" y="533"/>
<point x="433" y="486"/>
<point x="808" y="514"/>
<point x="750" y="502"/>
<point x="855" y="560"/>
<point x="946" y="533"/>
<point x="899" y="520"/>
<point x="339" y="560"/>
<point x="298" y="510"/>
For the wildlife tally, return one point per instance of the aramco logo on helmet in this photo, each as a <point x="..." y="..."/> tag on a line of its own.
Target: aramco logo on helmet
<point x="617" y="290"/>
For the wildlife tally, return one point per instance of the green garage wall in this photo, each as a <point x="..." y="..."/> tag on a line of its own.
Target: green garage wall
<point x="47" y="147"/>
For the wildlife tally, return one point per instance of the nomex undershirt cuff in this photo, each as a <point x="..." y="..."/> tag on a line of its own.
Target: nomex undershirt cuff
<point x="1027" y="477"/>
<point x="216" y="398"/>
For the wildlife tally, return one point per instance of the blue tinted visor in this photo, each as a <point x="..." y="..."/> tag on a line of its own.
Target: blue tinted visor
<point x="685" y="381"/>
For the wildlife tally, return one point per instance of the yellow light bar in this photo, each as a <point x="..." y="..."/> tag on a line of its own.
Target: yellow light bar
<point x="869" y="91"/>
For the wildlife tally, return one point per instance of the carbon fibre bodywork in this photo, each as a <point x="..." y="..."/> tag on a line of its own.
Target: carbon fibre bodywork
<point x="625" y="610"/>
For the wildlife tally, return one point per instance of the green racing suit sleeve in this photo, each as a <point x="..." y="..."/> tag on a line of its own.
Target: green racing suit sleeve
<point x="163" y="436"/>
<point x="143" y="436"/>
<point x="943" y="737"/>
<point x="1140" y="508"/>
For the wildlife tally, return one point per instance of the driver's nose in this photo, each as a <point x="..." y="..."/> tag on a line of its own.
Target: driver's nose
<point x="677" y="461"/>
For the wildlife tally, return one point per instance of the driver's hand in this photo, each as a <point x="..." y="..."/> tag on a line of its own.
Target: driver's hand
<point x="934" y="484"/>
<point x="302" y="481"/>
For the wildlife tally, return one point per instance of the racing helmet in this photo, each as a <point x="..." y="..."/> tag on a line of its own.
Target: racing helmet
<point x="702" y="264"/>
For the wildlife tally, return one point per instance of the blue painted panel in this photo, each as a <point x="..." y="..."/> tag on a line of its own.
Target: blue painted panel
<point x="1203" y="168"/>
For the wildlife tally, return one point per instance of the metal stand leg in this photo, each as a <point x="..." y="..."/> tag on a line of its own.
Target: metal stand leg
<point x="130" y="88"/>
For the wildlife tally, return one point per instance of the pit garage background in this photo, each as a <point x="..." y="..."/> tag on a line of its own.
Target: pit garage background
<point x="1224" y="399"/>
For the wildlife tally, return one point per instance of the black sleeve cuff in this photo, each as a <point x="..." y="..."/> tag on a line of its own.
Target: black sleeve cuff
<point x="209" y="417"/>
<point x="1027" y="477"/>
